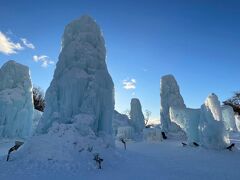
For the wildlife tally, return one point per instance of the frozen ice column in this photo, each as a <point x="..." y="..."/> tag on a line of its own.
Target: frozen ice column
<point x="136" y="115"/>
<point x="212" y="130"/>
<point x="170" y="97"/>
<point x="16" y="101"/>
<point x="81" y="82"/>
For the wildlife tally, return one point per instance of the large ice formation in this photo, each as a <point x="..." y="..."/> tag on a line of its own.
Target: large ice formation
<point x="77" y="121"/>
<point x="170" y="97"/>
<point x="81" y="82"/>
<point x="229" y="118"/>
<point x="16" y="102"/>
<point x="212" y="130"/>
<point x="136" y="115"/>
<point x="188" y="120"/>
<point x="205" y="125"/>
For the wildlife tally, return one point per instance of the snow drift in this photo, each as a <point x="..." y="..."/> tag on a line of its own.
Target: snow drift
<point x="16" y="102"/>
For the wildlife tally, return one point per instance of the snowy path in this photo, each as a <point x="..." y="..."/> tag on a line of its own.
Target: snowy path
<point x="143" y="161"/>
<point x="170" y="160"/>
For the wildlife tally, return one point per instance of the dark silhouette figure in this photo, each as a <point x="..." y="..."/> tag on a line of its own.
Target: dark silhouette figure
<point x="98" y="161"/>
<point x="184" y="144"/>
<point x="124" y="142"/>
<point x="230" y="147"/>
<point x="195" y="144"/>
<point x="14" y="148"/>
<point x="164" y="135"/>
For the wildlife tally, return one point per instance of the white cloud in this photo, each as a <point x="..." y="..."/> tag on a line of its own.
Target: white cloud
<point x="7" y="46"/>
<point x="27" y="43"/>
<point x="43" y="59"/>
<point x="129" y="84"/>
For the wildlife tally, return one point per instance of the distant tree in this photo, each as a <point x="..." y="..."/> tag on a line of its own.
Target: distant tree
<point x="147" y="116"/>
<point x="38" y="98"/>
<point x="234" y="102"/>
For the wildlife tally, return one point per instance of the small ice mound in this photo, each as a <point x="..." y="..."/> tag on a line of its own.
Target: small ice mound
<point x="152" y="135"/>
<point x="125" y="132"/>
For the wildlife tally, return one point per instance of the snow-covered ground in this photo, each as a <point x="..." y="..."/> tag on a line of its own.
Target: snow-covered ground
<point x="142" y="160"/>
<point x="5" y="144"/>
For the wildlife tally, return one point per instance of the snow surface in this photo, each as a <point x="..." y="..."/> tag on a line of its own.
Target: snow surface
<point x="5" y="144"/>
<point x="16" y="102"/>
<point x="170" y="97"/>
<point x="136" y="116"/>
<point x="81" y="83"/>
<point x="142" y="160"/>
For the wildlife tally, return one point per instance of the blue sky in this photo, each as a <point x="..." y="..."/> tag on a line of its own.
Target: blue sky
<point x="197" y="41"/>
